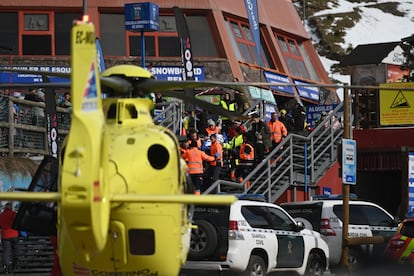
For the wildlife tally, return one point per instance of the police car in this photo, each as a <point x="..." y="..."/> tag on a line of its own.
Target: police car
<point x="366" y="219"/>
<point x="400" y="247"/>
<point x="254" y="238"/>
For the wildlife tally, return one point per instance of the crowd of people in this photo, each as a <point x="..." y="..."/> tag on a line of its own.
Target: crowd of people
<point x="216" y="142"/>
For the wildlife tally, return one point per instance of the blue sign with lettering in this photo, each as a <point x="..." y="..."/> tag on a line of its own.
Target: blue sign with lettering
<point x="279" y="78"/>
<point x="175" y="73"/>
<point x="349" y="161"/>
<point x="11" y="77"/>
<point x="309" y="92"/>
<point x="142" y="17"/>
<point x="411" y="182"/>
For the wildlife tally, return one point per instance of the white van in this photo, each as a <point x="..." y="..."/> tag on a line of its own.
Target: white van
<point x="366" y="219"/>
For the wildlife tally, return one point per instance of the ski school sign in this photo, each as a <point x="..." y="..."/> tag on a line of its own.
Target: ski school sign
<point x="12" y="77"/>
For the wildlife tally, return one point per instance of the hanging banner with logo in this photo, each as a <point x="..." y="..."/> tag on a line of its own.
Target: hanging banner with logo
<point x="186" y="53"/>
<point x="184" y="36"/>
<point x="307" y="91"/>
<point x="100" y="56"/>
<point x="279" y="78"/>
<point x="252" y="13"/>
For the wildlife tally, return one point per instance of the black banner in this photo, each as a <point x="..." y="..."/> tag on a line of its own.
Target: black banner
<point x="186" y="54"/>
<point x="184" y="36"/>
<point x="51" y="119"/>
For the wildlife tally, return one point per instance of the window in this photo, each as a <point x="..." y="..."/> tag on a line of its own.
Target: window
<point x="63" y="25"/>
<point x="244" y="44"/>
<point x="257" y="216"/>
<point x="40" y="32"/>
<point x="37" y="32"/>
<point x="407" y="229"/>
<point x="280" y="220"/>
<point x="365" y="215"/>
<point x="164" y="43"/>
<point x="9" y="33"/>
<point x="113" y="30"/>
<point x="293" y="54"/>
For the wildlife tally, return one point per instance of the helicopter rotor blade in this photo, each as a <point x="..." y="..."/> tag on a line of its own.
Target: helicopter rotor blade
<point x="217" y="109"/>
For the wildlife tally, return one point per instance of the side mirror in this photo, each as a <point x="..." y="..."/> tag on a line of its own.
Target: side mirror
<point x="300" y="225"/>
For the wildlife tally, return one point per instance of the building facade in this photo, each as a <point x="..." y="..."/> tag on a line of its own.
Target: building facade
<point x="223" y="45"/>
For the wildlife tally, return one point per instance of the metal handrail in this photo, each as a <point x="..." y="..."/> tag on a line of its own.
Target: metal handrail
<point x="297" y="161"/>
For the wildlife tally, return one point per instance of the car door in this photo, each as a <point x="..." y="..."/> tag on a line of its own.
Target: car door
<point x="380" y="224"/>
<point x="291" y="244"/>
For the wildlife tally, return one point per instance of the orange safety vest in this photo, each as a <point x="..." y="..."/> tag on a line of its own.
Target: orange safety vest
<point x="246" y="159"/>
<point x="277" y="131"/>
<point x="210" y="131"/>
<point x="216" y="147"/>
<point x="195" y="158"/>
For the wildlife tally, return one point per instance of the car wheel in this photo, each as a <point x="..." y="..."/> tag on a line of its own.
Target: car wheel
<point x="203" y="240"/>
<point x="354" y="259"/>
<point x="256" y="267"/>
<point x="315" y="265"/>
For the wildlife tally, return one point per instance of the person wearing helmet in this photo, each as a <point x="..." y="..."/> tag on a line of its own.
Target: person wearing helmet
<point x="286" y="118"/>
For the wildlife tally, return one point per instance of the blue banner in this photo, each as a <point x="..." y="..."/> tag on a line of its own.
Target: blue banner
<point x="308" y="92"/>
<point x="411" y="182"/>
<point x="11" y="77"/>
<point x="252" y="13"/>
<point x="175" y="73"/>
<point x="278" y="78"/>
<point x="100" y="56"/>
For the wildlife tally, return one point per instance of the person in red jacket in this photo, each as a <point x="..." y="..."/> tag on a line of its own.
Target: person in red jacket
<point x="194" y="158"/>
<point x="9" y="238"/>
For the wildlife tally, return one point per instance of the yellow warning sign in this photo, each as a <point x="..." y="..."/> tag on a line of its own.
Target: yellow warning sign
<point x="396" y="105"/>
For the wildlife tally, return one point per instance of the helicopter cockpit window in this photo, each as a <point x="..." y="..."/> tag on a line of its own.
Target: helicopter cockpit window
<point x="132" y="111"/>
<point x="111" y="111"/>
<point x="141" y="241"/>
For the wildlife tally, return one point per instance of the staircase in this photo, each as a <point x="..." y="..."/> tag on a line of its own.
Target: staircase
<point x="299" y="161"/>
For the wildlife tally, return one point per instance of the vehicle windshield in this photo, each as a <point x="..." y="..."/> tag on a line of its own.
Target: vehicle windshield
<point x="408" y="229"/>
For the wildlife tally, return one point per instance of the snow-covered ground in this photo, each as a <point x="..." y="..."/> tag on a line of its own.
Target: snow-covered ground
<point x="375" y="26"/>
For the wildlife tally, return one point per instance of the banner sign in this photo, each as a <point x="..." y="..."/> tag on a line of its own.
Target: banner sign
<point x="142" y="17"/>
<point x="252" y="13"/>
<point x="261" y="94"/>
<point x="308" y="92"/>
<point x="314" y="113"/>
<point x="11" y="77"/>
<point x="411" y="182"/>
<point x="99" y="56"/>
<point x="184" y="36"/>
<point x="175" y="73"/>
<point x="278" y="78"/>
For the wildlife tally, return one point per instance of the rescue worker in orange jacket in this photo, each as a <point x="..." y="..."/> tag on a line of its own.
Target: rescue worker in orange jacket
<point x="194" y="158"/>
<point x="9" y="238"/>
<point x="278" y="130"/>
<point x="214" y="169"/>
<point x="246" y="160"/>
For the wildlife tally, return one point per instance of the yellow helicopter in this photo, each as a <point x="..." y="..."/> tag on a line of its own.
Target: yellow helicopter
<point x="122" y="202"/>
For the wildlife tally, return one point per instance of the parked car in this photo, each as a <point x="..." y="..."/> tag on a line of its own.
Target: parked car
<point x="366" y="219"/>
<point x="252" y="237"/>
<point x="400" y="247"/>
